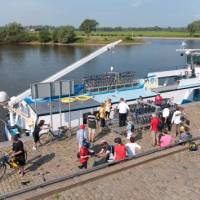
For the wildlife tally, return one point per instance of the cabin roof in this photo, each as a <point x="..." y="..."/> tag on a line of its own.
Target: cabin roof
<point x="178" y="72"/>
<point x="42" y="108"/>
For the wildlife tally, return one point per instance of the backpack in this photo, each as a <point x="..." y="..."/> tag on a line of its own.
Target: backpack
<point x="193" y="146"/>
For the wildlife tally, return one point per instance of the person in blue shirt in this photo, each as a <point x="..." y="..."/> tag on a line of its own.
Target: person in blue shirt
<point x="81" y="135"/>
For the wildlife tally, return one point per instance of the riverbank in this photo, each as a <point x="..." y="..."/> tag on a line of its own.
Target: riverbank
<point x="85" y="41"/>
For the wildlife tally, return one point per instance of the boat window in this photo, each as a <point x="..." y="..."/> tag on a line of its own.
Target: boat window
<point x="196" y="59"/>
<point x="166" y="81"/>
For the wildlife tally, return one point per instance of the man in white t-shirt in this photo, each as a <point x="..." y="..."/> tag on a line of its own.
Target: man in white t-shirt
<point x="176" y="119"/>
<point x="123" y="111"/>
<point x="132" y="147"/>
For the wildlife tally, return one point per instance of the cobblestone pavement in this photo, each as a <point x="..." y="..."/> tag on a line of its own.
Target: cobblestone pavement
<point x="174" y="177"/>
<point x="59" y="158"/>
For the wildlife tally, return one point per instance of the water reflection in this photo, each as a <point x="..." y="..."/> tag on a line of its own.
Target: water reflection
<point x="25" y="64"/>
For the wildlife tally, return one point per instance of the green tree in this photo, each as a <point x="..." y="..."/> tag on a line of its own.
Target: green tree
<point x="44" y="36"/>
<point x="88" y="26"/>
<point x="193" y="27"/>
<point x="55" y="35"/>
<point x="14" y="32"/>
<point x="66" y="34"/>
<point x="3" y="34"/>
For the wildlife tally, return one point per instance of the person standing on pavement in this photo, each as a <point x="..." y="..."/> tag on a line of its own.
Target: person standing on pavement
<point x="102" y="115"/>
<point x="81" y="136"/>
<point x="84" y="155"/>
<point x="154" y="129"/>
<point x="36" y="132"/>
<point x="123" y="112"/>
<point x="108" y="107"/>
<point x="176" y="119"/>
<point x="92" y="125"/>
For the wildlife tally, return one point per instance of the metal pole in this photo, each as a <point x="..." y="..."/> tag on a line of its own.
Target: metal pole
<point x="69" y="111"/>
<point x="60" y="110"/>
<point x="51" y="116"/>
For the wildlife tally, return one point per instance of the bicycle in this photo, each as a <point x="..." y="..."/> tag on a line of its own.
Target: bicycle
<point x="5" y="160"/>
<point x="50" y="135"/>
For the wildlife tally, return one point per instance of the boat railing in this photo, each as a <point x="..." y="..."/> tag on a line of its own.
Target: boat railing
<point x="113" y="86"/>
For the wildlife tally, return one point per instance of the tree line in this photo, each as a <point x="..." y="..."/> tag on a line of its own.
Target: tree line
<point x="15" y="32"/>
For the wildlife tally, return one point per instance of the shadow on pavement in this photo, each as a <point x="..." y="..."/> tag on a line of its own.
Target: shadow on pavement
<point x="41" y="161"/>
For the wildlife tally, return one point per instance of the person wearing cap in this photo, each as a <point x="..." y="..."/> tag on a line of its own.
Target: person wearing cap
<point x="18" y="153"/>
<point x="84" y="154"/>
<point x="81" y="136"/>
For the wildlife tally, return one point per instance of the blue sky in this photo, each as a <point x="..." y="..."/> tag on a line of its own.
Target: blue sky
<point x="133" y="13"/>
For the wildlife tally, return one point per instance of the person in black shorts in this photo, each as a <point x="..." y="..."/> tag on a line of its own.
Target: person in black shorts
<point x="36" y="137"/>
<point x="18" y="153"/>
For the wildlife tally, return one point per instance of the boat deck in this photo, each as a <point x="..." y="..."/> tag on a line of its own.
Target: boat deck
<point x="128" y="95"/>
<point x="43" y="107"/>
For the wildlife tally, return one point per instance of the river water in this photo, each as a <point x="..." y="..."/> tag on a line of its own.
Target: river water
<point x="21" y="65"/>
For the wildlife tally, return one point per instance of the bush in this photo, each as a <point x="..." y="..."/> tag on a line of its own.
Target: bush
<point x="44" y="36"/>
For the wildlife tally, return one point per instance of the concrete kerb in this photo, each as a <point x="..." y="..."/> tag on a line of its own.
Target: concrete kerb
<point x="73" y="180"/>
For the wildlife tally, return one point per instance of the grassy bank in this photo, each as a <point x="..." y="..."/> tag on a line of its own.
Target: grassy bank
<point x="167" y="34"/>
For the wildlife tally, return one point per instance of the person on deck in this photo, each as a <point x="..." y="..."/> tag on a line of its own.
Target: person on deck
<point x="158" y="100"/>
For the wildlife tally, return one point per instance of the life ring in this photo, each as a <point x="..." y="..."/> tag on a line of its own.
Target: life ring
<point x="83" y="98"/>
<point x="68" y="100"/>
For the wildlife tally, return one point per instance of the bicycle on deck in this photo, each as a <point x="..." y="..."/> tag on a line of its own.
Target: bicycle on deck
<point x="50" y="135"/>
<point x="7" y="160"/>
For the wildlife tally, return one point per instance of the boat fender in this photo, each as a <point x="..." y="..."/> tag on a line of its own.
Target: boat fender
<point x="83" y="98"/>
<point x="68" y="100"/>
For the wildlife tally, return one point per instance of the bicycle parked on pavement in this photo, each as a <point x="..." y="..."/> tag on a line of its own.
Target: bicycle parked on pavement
<point x="50" y="135"/>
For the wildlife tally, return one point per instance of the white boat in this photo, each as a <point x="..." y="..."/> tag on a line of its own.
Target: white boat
<point x="183" y="85"/>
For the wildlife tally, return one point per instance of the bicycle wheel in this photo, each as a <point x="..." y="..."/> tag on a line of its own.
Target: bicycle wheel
<point x="69" y="133"/>
<point x="45" y="138"/>
<point x="2" y="170"/>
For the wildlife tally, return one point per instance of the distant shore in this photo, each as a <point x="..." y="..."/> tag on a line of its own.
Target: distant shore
<point x="103" y="41"/>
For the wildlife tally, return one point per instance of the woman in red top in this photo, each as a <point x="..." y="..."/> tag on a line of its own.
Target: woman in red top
<point x="84" y="155"/>
<point x="119" y="149"/>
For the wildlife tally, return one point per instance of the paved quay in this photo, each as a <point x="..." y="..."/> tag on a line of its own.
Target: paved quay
<point x="174" y="177"/>
<point x="59" y="158"/>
